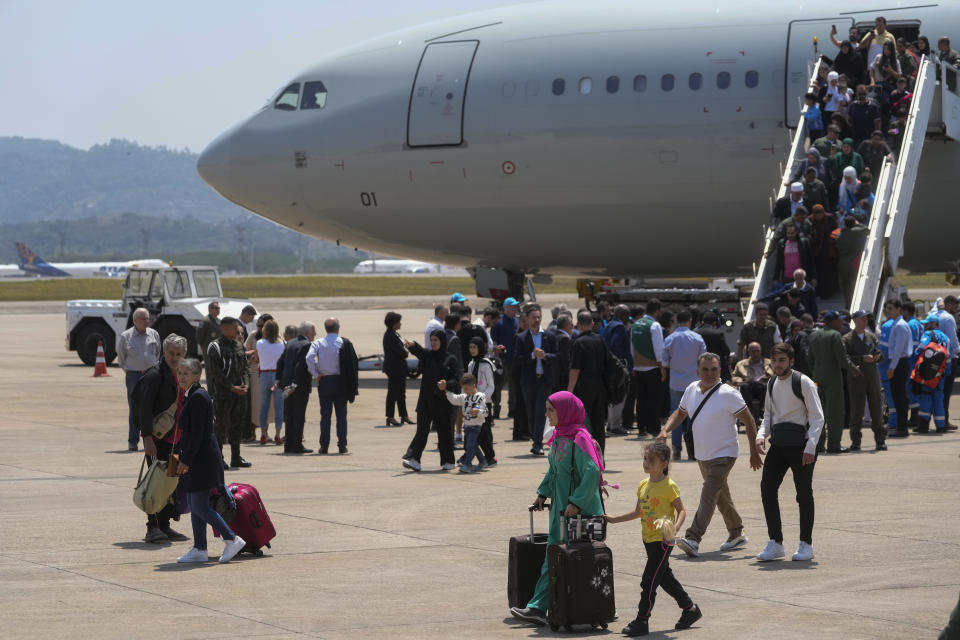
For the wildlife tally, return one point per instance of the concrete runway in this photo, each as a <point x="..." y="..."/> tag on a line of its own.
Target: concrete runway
<point x="367" y="550"/>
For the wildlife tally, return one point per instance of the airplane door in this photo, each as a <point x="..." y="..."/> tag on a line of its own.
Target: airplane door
<point x="950" y="87"/>
<point x="436" y="101"/>
<point x="802" y="55"/>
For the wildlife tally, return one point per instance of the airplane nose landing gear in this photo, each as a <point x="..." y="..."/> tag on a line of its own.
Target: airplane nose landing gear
<point x="500" y="284"/>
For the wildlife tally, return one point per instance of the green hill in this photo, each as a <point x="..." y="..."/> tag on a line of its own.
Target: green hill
<point x="123" y="201"/>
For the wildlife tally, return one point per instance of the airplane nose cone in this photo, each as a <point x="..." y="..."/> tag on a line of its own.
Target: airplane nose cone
<point x="214" y="164"/>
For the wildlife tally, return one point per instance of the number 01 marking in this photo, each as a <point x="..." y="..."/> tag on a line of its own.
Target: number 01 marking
<point x="368" y="199"/>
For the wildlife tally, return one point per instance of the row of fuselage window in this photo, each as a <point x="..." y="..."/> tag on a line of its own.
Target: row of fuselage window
<point x="315" y="93"/>
<point x="668" y="82"/>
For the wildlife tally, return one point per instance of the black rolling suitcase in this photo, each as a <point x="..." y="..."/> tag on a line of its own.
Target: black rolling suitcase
<point x="581" y="584"/>
<point x="527" y="553"/>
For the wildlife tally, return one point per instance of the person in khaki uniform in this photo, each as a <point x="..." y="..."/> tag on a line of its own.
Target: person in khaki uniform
<point x="828" y="358"/>
<point x="862" y="347"/>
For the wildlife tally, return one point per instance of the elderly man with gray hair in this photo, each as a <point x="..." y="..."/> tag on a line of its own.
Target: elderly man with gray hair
<point x="155" y="400"/>
<point x="294" y="378"/>
<point x="138" y="349"/>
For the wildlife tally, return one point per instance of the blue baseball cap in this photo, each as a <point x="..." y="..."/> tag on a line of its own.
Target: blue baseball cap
<point x="830" y="316"/>
<point x="859" y="314"/>
<point x="458" y="297"/>
<point x="932" y="317"/>
<point x="511" y="302"/>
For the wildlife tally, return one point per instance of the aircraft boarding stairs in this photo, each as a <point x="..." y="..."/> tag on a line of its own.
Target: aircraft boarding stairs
<point x="894" y="191"/>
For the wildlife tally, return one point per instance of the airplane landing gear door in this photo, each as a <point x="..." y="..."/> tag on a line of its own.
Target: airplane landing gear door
<point x="950" y="88"/>
<point x="802" y="55"/>
<point x="436" y="101"/>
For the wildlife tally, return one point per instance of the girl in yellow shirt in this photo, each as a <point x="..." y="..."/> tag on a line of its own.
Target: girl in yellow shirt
<point x="658" y="497"/>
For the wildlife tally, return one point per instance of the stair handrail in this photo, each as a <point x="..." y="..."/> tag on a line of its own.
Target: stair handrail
<point x="797" y="152"/>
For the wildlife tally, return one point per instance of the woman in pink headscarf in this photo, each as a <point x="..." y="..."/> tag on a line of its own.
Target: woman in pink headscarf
<point x="572" y="484"/>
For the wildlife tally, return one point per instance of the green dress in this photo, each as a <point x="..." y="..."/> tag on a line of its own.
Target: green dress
<point x="572" y="478"/>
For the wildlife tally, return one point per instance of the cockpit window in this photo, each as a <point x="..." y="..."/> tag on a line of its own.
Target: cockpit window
<point x="287" y="101"/>
<point x="314" y="95"/>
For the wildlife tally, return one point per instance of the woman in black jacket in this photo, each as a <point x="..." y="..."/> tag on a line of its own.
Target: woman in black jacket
<point x="432" y="405"/>
<point x="201" y="466"/>
<point x="395" y="366"/>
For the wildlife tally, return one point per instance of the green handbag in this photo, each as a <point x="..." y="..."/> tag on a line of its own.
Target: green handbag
<point x="154" y="489"/>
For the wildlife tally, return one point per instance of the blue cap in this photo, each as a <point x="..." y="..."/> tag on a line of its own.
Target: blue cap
<point x="458" y="297"/>
<point x="932" y="317"/>
<point x="859" y="314"/>
<point x="511" y="302"/>
<point x="830" y="316"/>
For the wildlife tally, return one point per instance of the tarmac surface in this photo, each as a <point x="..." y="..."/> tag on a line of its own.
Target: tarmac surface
<point x="367" y="550"/>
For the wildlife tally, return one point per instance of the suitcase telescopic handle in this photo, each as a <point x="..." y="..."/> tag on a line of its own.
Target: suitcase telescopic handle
<point x="531" y="509"/>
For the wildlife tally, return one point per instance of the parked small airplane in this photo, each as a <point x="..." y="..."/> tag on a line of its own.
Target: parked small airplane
<point x="396" y="266"/>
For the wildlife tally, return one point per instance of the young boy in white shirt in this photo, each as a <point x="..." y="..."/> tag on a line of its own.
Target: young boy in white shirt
<point x="474" y="406"/>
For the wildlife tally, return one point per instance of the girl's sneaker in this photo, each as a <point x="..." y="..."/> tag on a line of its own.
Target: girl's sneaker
<point x="688" y="617"/>
<point x="638" y="627"/>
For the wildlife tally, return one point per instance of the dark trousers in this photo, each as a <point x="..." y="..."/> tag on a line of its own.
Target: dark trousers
<point x="511" y="380"/>
<point x="397" y="394"/>
<point x="898" y="389"/>
<point x="649" y="395"/>
<point x="133" y="433"/>
<point x="498" y="381"/>
<point x="485" y="440"/>
<point x="518" y="408"/>
<point x="594" y="399"/>
<point x="229" y="413"/>
<point x="332" y="399"/>
<point x="439" y="418"/>
<point x="629" y="413"/>
<point x="754" y="393"/>
<point x="294" y="417"/>
<point x="779" y="460"/>
<point x="161" y="519"/>
<point x="657" y="573"/>
<point x="948" y="388"/>
<point x="535" y="394"/>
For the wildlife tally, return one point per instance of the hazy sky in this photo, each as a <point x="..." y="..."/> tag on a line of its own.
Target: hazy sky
<point x="174" y="73"/>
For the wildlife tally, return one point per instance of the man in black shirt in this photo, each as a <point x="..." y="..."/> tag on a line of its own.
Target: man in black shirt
<point x="716" y="341"/>
<point x="588" y="357"/>
<point x="292" y="370"/>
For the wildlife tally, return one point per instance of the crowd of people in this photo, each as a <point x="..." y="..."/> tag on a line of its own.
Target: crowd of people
<point x="855" y="113"/>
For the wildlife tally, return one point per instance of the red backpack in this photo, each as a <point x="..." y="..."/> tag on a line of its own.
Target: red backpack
<point x="930" y="365"/>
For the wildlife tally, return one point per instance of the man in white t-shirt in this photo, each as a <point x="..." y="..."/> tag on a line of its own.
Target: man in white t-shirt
<point x="714" y="408"/>
<point x="794" y="425"/>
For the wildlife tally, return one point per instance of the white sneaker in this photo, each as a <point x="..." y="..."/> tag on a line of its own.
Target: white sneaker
<point x="689" y="547"/>
<point x="734" y="542"/>
<point x="804" y="551"/>
<point x="410" y="463"/>
<point x="231" y="548"/>
<point x="773" y="551"/>
<point x="448" y="466"/>
<point x="194" y="555"/>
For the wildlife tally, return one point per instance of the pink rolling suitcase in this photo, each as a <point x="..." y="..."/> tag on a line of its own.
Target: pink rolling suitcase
<point x="251" y="522"/>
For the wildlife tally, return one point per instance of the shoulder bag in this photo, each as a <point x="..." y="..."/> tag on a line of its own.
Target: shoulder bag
<point x="154" y="489"/>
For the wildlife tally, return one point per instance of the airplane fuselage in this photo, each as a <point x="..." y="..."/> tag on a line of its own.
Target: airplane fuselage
<point x="658" y="156"/>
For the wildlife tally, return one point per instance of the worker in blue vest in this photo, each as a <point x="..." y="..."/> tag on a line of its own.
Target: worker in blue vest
<point x="884" y="345"/>
<point x="909" y="311"/>
<point x="927" y="396"/>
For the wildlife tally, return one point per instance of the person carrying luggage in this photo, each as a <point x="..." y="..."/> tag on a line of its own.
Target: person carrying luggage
<point x="201" y="467"/>
<point x="571" y="484"/>
<point x="658" y="497"/>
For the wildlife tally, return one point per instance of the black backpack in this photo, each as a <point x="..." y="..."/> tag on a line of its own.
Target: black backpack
<point x="795" y="384"/>
<point x="616" y="377"/>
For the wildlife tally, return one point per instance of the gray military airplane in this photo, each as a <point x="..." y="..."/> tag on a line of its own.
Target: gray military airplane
<point x="601" y="138"/>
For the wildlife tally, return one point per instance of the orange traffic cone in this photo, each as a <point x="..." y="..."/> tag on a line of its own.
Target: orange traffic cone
<point x="100" y="368"/>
